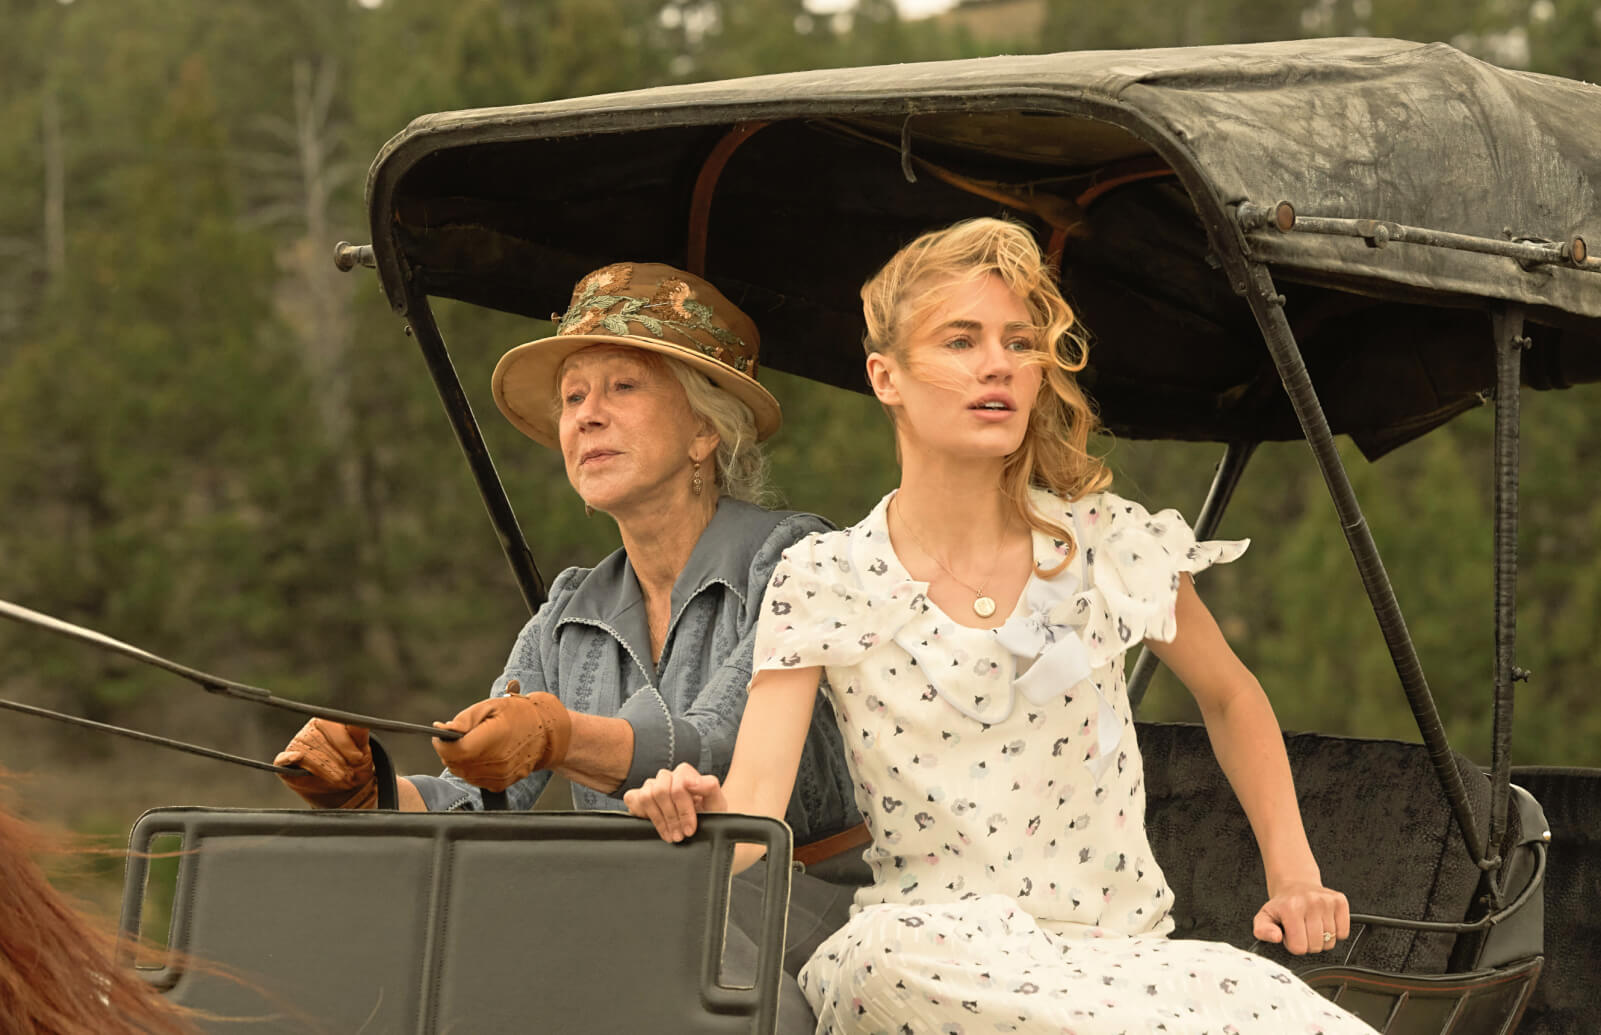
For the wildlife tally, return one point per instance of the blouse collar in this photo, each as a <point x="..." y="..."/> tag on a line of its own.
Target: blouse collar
<point x="1047" y="629"/>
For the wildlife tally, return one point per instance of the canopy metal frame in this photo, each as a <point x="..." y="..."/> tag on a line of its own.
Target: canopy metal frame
<point x="1230" y="469"/>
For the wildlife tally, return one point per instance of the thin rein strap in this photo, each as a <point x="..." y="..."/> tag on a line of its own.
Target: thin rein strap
<point x="211" y="683"/>
<point x="148" y="738"/>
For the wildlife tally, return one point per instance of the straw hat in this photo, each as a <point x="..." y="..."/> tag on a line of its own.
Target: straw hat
<point x="645" y="306"/>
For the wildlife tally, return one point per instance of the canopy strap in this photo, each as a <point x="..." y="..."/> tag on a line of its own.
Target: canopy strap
<point x="210" y="683"/>
<point x="1108" y="178"/>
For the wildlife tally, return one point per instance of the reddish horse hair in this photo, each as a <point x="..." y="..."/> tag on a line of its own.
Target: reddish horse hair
<point x="58" y="970"/>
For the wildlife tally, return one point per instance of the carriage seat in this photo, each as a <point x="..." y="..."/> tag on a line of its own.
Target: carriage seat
<point x="1377" y="821"/>
<point x="1564" y="1002"/>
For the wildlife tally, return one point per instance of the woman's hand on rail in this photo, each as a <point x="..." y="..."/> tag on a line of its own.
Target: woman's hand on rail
<point x="672" y="798"/>
<point x="336" y="766"/>
<point x="1305" y="917"/>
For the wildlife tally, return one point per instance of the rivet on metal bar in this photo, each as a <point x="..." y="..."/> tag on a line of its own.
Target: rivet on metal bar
<point x="348" y="256"/>
<point x="1284" y="216"/>
<point x="1374" y="232"/>
<point x="1578" y="251"/>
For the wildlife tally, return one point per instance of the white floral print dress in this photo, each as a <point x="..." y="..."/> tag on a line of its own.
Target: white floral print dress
<point x="1014" y="888"/>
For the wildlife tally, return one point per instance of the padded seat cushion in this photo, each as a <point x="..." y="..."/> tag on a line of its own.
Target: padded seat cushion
<point x="1377" y="821"/>
<point x="1566" y="998"/>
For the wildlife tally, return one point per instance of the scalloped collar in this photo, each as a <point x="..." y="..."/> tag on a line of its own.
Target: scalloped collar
<point x="975" y="670"/>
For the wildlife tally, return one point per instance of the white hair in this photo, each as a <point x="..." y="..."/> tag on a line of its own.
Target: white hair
<point x="742" y="470"/>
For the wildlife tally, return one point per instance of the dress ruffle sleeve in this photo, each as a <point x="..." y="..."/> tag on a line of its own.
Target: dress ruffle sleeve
<point x="1120" y="589"/>
<point x="1133" y="561"/>
<point x="820" y="609"/>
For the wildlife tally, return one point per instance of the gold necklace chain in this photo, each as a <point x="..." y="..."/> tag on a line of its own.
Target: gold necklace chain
<point x="983" y="606"/>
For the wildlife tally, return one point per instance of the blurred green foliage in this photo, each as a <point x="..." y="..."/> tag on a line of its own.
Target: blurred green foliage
<point x="215" y="446"/>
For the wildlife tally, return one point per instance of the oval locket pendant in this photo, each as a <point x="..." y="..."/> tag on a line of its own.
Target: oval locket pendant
<point x="983" y="607"/>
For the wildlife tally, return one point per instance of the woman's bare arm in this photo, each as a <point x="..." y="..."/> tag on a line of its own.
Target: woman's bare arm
<point x="761" y="775"/>
<point x="1249" y="747"/>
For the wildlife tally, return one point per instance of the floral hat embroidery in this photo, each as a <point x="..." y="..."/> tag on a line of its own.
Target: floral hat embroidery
<point x="670" y="312"/>
<point x="642" y="305"/>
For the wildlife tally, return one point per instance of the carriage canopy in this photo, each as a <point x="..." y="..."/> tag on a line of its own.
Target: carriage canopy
<point x="788" y="191"/>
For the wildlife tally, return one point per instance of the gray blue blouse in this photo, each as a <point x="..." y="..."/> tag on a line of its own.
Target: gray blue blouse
<point x="590" y="646"/>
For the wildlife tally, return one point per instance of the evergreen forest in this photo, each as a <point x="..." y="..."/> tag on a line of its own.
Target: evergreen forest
<point x="217" y="447"/>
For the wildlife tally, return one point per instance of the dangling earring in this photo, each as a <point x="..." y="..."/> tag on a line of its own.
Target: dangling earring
<point x="695" y="484"/>
<point x="589" y="511"/>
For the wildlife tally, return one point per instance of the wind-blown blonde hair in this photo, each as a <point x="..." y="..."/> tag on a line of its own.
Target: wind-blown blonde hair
<point x="1054" y="454"/>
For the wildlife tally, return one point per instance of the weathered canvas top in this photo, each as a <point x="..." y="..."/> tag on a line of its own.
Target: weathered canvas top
<point x="507" y="206"/>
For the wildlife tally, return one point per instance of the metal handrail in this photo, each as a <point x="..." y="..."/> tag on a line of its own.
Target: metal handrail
<point x="1484" y="923"/>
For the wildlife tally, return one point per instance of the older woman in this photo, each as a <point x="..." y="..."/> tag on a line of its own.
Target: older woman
<point x="640" y="663"/>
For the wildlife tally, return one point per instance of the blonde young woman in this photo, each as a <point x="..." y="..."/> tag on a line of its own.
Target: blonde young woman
<point x="972" y="628"/>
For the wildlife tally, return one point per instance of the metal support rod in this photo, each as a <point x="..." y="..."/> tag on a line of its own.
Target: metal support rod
<point x="465" y="425"/>
<point x="1377" y="233"/>
<point x="1509" y="345"/>
<point x="1224" y="481"/>
<point x="1268" y="307"/>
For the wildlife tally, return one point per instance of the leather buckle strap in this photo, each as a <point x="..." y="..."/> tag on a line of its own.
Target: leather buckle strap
<point x="815" y="852"/>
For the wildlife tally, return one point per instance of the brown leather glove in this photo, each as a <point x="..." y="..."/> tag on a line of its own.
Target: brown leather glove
<point x="507" y="738"/>
<point x="337" y="763"/>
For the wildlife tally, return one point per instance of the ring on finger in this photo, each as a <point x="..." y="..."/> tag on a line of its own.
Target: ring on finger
<point x="1328" y="937"/>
